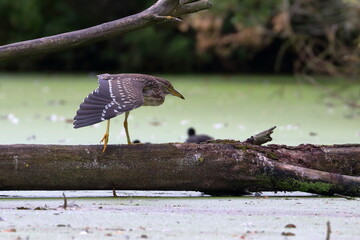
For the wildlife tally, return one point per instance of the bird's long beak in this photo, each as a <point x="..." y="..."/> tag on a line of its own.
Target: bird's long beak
<point x="176" y="93"/>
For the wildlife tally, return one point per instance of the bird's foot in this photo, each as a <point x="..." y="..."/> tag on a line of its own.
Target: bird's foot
<point x="105" y="140"/>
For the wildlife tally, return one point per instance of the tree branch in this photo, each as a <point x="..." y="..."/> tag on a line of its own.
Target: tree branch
<point x="262" y="137"/>
<point x="162" y="10"/>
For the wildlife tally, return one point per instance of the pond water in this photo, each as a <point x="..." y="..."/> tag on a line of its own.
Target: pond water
<point x="178" y="217"/>
<point x="40" y="109"/>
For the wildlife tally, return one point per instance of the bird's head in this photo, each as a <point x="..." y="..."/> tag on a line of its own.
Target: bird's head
<point x="168" y="88"/>
<point x="191" y="132"/>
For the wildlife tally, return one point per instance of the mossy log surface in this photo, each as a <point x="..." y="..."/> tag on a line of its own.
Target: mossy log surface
<point x="219" y="166"/>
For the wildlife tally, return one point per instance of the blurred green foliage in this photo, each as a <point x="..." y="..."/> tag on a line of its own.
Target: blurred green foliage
<point x="248" y="12"/>
<point x="160" y="48"/>
<point x="248" y="39"/>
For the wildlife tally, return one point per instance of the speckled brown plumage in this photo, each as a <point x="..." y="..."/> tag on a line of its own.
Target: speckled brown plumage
<point x="121" y="93"/>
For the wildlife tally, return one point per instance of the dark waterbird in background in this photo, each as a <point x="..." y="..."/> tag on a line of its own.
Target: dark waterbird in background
<point x="193" y="138"/>
<point x="121" y="93"/>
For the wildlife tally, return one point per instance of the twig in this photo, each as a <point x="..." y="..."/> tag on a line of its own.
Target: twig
<point x="343" y="196"/>
<point x="167" y="18"/>
<point x="65" y="201"/>
<point x="328" y="230"/>
<point x="114" y="192"/>
<point x="262" y="137"/>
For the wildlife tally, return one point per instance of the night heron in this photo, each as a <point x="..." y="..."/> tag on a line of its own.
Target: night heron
<point x="121" y="93"/>
<point x="193" y="138"/>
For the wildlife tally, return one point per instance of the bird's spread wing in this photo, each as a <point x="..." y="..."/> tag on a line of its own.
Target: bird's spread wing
<point x="116" y="94"/>
<point x="125" y="90"/>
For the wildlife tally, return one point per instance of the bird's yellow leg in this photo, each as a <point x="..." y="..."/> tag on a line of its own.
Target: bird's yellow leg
<point x="105" y="138"/>
<point x="126" y="127"/>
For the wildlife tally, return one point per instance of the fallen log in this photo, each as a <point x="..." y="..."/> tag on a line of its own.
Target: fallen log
<point x="218" y="166"/>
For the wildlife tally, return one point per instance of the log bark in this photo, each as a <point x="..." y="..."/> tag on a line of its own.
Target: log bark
<point x="161" y="11"/>
<point x="220" y="166"/>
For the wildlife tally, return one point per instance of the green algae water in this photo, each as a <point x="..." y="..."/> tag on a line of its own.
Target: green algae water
<point x="199" y="218"/>
<point x="39" y="108"/>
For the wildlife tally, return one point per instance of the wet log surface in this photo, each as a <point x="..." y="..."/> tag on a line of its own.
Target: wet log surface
<point x="220" y="166"/>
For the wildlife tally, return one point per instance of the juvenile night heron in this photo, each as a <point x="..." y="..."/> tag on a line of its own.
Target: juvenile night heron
<point x="121" y="93"/>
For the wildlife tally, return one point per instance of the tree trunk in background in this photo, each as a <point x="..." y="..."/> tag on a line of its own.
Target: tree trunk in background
<point x="220" y="166"/>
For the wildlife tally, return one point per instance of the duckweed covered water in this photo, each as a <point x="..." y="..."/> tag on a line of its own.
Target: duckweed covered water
<point x="40" y="109"/>
<point x="180" y="218"/>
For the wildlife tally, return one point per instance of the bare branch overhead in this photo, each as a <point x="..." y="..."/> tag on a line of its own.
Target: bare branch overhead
<point x="161" y="11"/>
